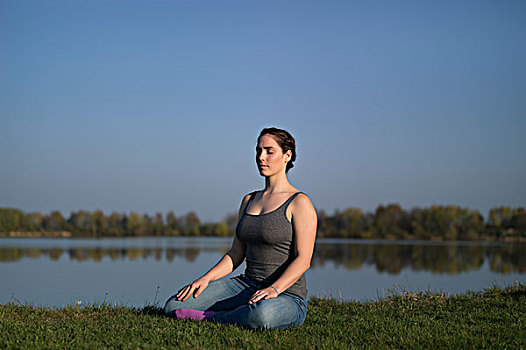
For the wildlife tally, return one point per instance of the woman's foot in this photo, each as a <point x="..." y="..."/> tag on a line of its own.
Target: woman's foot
<point x="191" y="314"/>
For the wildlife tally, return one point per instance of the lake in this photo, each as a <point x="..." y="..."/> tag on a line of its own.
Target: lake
<point x="141" y="271"/>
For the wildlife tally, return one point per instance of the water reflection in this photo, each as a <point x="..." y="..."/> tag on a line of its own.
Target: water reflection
<point x="392" y="258"/>
<point x="98" y="254"/>
<point x="435" y="258"/>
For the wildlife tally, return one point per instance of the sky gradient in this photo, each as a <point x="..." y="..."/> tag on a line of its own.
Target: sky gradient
<point x="151" y="106"/>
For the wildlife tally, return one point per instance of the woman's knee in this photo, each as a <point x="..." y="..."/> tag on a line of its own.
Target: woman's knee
<point x="259" y="319"/>
<point x="171" y="305"/>
<point x="267" y="315"/>
<point x="274" y="315"/>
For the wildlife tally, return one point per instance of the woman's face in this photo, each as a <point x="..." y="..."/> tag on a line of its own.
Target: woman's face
<point x="270" y="158"/>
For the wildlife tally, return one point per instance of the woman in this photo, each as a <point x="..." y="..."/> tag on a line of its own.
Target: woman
<point x="275" y="234"/>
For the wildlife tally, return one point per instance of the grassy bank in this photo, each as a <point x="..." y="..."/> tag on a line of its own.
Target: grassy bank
<point x="495" y="318"/>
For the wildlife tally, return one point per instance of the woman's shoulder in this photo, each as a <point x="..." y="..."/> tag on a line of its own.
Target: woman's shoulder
<point x="301" y="202"/>
<point x="247" y="196"/>
<point x="246" y="199"/>
<point x="301" y="197"/>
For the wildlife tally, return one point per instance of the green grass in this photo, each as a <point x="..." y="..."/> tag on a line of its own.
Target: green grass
<point x="495" y="318"/>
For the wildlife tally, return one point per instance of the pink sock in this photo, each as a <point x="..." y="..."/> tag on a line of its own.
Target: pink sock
<point x="191" y="314"/>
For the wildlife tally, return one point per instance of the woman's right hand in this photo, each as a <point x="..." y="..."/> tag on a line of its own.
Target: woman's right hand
<point x="195" y="288"/>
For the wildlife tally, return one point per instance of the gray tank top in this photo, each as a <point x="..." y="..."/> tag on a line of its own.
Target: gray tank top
<point x="270" y="246"/>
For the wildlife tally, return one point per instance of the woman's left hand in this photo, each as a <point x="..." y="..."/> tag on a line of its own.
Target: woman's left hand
<point x="263" y="294"/>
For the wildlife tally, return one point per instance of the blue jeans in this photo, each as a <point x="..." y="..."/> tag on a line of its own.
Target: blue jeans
<point x="229" y="298"/>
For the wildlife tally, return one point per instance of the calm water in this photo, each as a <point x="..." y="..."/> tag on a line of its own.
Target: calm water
<point x="139" y="271"/>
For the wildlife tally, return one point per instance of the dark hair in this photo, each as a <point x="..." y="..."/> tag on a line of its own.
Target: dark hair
<point x="284" y="140"/>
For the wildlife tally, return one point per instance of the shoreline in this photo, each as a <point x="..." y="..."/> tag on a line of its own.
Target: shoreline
<point x="67" y="234"/>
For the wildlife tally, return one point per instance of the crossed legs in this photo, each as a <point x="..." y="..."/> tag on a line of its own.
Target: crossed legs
<point x="228" y="299"/>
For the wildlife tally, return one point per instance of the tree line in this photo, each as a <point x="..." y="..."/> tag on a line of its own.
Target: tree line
<point x="387" y="222"/>
<point x="433" y="223"/>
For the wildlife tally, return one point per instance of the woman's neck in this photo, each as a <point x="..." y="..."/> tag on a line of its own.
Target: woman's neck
<point x="277" y="183"/>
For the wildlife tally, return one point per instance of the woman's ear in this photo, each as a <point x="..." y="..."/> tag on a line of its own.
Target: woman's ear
<point x="288" y="155"/>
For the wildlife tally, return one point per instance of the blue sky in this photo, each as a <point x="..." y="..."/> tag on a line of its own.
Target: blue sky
<point x="151" y="106"/>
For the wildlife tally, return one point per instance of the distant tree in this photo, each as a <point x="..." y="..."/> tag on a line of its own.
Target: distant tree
<point x="191" y="224"/>
<point x="136" y="224"/>
<point x="325" y="224"/>
<point x="56" y="221"/>
<point x="115" y="224"/>
<point x="99" y="225"/>
<point x="11" y="219"/>
<point x="80" y="222"/>
<point x="222" y="229"/>
<point x="336" y="223"/>
<point x="34" y="222"/>
<point x="450" y="217"/>
<point x="172" y="224"/>
<point x="149" y="224"/>
<point x="441" y="221"/>
<point x="389" y="221"/>
<point x="231" y="222"/>
<point x="352" y="223"/>
<point x="158" y="228"/>
<point x="500" y="217"/>
<point x="437" y="221"/>
<point x="518" y="221"/>
<point x="471" y="224"/>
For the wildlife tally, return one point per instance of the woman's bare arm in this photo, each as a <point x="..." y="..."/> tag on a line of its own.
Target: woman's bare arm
<point x="228" y="263"/>
<point x="304" y="221"/>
